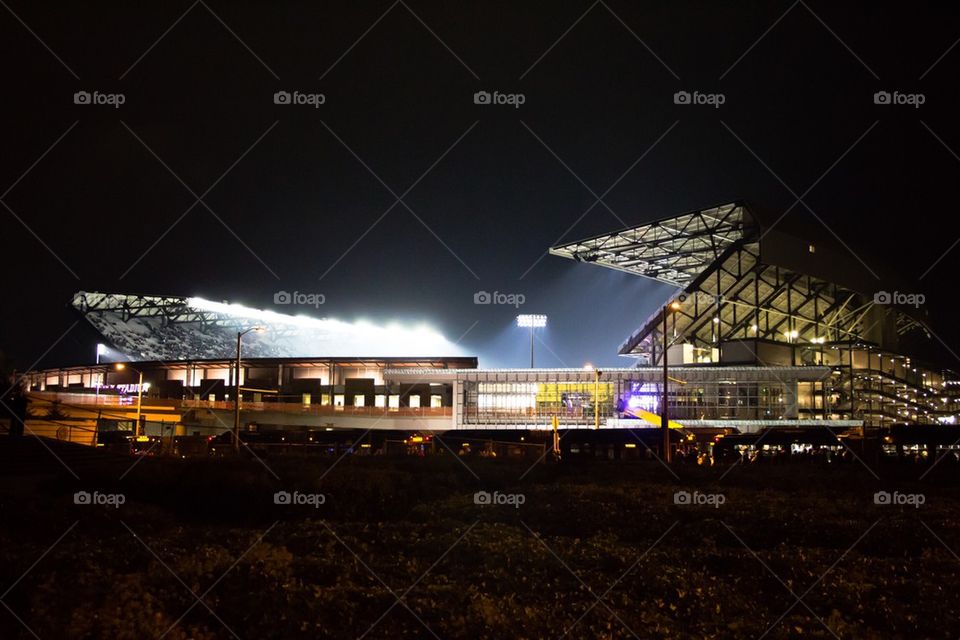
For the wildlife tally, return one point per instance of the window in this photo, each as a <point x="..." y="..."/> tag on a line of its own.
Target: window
<point x="338" y="400"/>
<point x="359" y="400"/>
<point x="414" y="402"/>
<point x="379" y="400"/>
<point x="306" y="399"/>
<point x="436" y="401"/>
<point x="394" y="401"/>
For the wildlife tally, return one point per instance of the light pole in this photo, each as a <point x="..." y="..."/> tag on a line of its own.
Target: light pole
<point x="120" y="367"/>
<point x="596" y="398"/>
<point x="664" y="411"/>
<point x="533" y="321"/>
<point x="236" y="389"/>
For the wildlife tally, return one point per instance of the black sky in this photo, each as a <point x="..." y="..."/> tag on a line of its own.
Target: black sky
<point x="799" y="110"/>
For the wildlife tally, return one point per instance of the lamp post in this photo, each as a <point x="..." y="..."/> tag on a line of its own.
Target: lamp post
<point x="236" y="388"/>
<point x="533" y="321"/>
<point x="664" y="411"/>
<point x="596" y="398"/>
<point x="120" y="366"/>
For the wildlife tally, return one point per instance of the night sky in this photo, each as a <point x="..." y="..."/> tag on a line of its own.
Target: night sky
<point x="99" y="198"/>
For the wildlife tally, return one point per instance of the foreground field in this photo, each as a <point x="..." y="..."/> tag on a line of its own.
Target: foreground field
<point x="392" y="548"/>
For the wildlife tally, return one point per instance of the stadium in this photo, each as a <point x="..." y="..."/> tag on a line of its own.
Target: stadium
<point x="764" y="330"/>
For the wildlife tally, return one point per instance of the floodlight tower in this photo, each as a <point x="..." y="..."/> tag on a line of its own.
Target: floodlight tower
<point x="533" y="321"/>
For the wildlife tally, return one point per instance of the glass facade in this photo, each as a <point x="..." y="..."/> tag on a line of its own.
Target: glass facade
<point x="717" y="393"/>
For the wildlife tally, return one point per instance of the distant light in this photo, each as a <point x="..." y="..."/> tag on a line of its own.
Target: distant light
<point x="120" y="366"/>
<point x="675" y="306"/>
<point x="101" y="349"/>
<point x="531" y="320"/>
<point x="587" y="365"/>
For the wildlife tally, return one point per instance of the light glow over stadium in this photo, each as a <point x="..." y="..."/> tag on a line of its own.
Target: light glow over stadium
<point x="171" y="328"/>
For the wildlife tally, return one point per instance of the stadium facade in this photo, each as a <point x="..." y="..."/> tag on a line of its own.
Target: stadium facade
<point x="764" y="329"/>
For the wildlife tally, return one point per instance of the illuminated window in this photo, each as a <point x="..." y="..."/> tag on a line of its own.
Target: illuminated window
<point x="436" y="401"/>
<point x="415" y="402"/>
<point x="306" y="399"/>
<point x="379" y="400"/>
<point x="394" y="401"/>
<point x="359" y="400"/>
<point x="338" y="400"/>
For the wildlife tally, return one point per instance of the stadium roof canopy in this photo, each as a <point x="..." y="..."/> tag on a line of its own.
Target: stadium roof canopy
<point x="740" y="279"/>
<point x="171" y="328"/>
<point x="674" y="250"/>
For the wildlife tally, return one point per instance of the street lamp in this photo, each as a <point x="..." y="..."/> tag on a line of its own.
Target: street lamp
<point x="664" y="411"/>
<point x="120" y="366"/>
<point x="533" y="321"/>
<point x="236" y="388"/>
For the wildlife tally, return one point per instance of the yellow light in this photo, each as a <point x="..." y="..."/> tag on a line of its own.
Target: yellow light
<point x="365" y="446"/>
<point x="120" y="366"/>
<point x="675" y="306"/>
<point x="416" y="438"/>
<point x="629" y="445"/>
<point x="143" y="438"/>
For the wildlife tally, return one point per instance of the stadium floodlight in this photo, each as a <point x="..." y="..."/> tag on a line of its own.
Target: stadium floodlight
<point x="302" y="335"/>
<point x="533" y="321"/>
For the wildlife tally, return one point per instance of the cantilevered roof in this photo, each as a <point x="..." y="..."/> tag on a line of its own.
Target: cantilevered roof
<point x="741" y="279"/>
<point x="169" y="328"/>
<point x="673" y="250"/>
